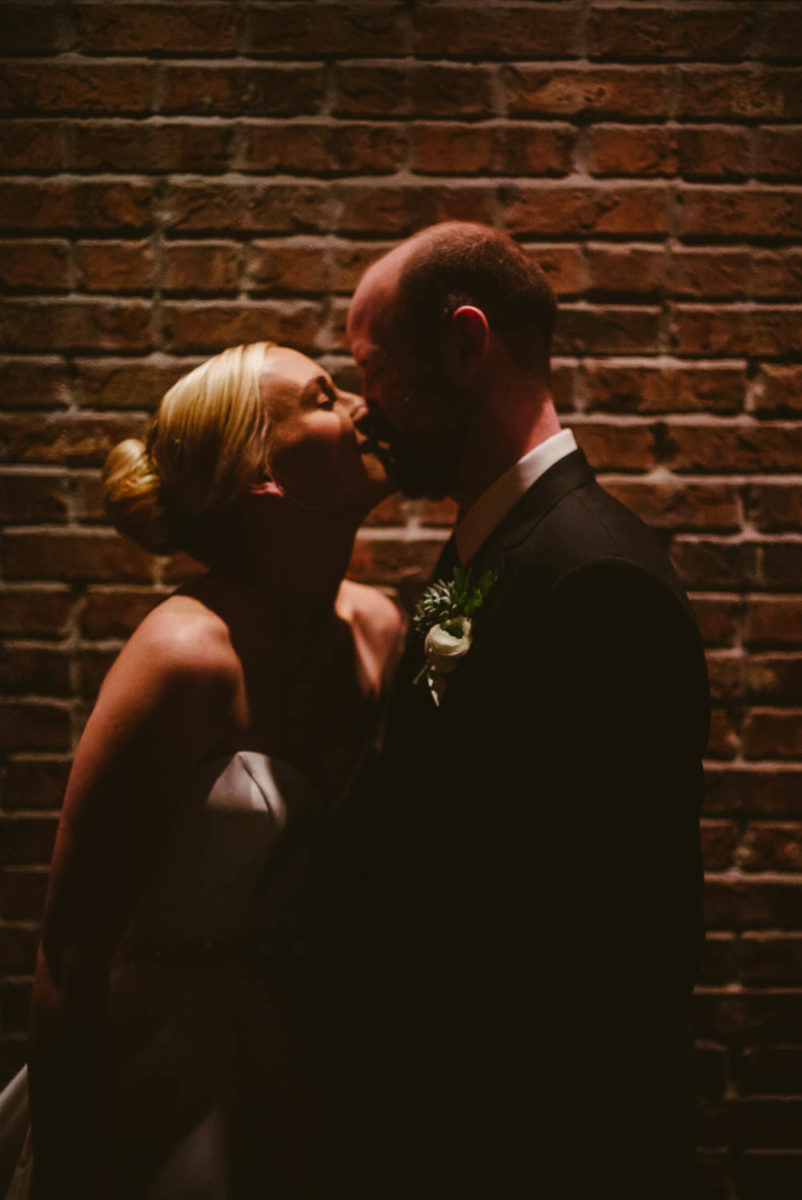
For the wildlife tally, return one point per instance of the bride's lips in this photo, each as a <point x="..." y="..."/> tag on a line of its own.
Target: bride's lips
<point x="371" y="441"/>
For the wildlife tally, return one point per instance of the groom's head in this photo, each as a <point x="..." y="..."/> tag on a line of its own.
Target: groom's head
<point x="443" y="328"/>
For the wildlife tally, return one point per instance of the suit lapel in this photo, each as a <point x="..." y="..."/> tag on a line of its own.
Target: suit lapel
<point x="412" y="709"/>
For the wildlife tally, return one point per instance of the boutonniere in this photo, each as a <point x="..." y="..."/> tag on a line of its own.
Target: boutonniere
<point x="443" y="617"/>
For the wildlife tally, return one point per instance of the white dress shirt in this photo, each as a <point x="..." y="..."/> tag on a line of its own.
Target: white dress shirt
<point x="496" y="501"/>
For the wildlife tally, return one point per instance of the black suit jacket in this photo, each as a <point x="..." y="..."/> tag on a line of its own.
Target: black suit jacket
<point x="534" y="891"/>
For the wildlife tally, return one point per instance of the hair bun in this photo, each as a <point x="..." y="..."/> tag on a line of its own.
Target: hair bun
<point x="133" y="493"/>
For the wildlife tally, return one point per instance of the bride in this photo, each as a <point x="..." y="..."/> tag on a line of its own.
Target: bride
<point x="182" y="1043"/>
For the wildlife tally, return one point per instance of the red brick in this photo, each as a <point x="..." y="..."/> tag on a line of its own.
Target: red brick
<point x="288" y="267"/>
<point x="739" y="448"/>
<point x="771" y="959"/>
<point x="154" y="28"/>
<point x="350" y="260"/>
<point x="631" y="150"/>
<point x="719" y="839"/>
<point x="76" y="325"/>
<point x="578" y="211"/>
<point x="36" y="784"/>
<point x="92" y="666"/>
<point x="662" y="33"/>
<point x="34" y="725"/>
<point x="753" y="903"/>
<point x="403" y="209"/>
<point x="18" y="948"/>
<point x="773" y="734"/>
<point x="28" y="27"/>
<point x="775" y="678"/>
<point x="42" y="612"/>
<point x="94" y="88"/>
<point x="26" y="498"/>
<point x="74" y="438"/>
<point x="96" y="555"/>
<point x="122" y="383"/>
<point x="387" y="561"/>
<point x="235" y="91"/>
<point x="371" y="91"/>
<point x="772" y="1070"/>
<point x="724" y="740"/>
<point x="710" y="274"/>
<point x="679" y="506"/>
<point x="88" y="496"/>
<point x="30" y="146"/>
<point x="58" y="204"/>
<point x="115" y="613"/>
<point x="638" y="387"/>
<point x="766" y="1122"/>
<point x="712" y="152"/>
<point x="596" y="91"/>
<point x="775" y="507"/>
<point x="201" y="266"/>
<point x="247" y="207"/>
<point x="740" y="93"/>
<point x="779" y="153"/>
<point x="719" y="960"/>
<point x="320" y="30"/>
<point x="708" y="564"/>
<point x="28" y="839"/>
<point x="754" y="791"/>
<point x="719" y="618"/>
<point x="115" y="266"/>
<point x="726" y="674"/>
<point x="40" y="670"/>
<point x="780" y="30"/>
<point x="323" y="149"/>
<point x="774" y="620"/>
<point x="497" y="31"/>
<point x="773" y="331"/>
<point x="614" y="447"/>
<point x="41" y="383"/>
<point x="615" y="329"/>
<point x="756" y="1016"/>
<point x="151" y="147"/>
<point x="452" y="149"/>
<point x="777" y="274"/>
<point x="769" y="846"/>
<point x="34" y="266"/>
<point x="210" y="327"/>
<point x="626" y="270"/>
<point x="739" y="212"/>
<point x="779" y="391"/>
<point x="23" y="895"/>
<point x="781" y="565"/>
<point x="564" y="267"/>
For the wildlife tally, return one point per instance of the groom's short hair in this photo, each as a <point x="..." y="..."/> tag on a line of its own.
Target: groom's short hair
<point x="458" y="263"/>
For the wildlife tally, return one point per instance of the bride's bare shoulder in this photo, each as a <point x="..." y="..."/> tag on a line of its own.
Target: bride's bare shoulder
<point x="183" y="636"/>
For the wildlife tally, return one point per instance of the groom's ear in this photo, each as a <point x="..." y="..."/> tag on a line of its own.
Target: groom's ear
<point x="465" y="342"/>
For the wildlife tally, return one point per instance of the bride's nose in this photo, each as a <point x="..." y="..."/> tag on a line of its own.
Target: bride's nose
<point x="357" y="408"/>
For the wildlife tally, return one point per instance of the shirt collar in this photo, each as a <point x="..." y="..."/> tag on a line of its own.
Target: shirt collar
<point x="496" y="501"/>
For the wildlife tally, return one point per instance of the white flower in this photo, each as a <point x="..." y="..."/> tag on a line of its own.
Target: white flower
<point x="446" y="644"/>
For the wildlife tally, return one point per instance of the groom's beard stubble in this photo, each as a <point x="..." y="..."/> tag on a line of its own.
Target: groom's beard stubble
<point x="426" y="464"/>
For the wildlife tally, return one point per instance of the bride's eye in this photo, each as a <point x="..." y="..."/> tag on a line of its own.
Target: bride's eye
<point x="327" y="396"/>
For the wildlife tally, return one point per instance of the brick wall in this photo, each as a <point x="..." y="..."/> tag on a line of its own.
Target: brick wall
<point x="182" y="176"/>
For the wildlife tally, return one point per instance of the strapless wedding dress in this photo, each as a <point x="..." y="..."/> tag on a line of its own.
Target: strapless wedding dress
<point x="216" y="1085"/>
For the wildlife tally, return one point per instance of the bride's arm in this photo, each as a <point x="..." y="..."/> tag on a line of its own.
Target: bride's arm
<point x="163" y="705"/>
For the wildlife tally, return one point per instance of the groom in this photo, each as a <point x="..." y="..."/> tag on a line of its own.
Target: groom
<point x="534" y="902"/>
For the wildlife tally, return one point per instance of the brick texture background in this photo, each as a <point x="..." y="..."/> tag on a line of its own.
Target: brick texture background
<point x="181" y="176"/>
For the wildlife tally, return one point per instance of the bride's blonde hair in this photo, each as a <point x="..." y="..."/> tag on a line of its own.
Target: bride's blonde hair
<point x="206" y="445"/>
